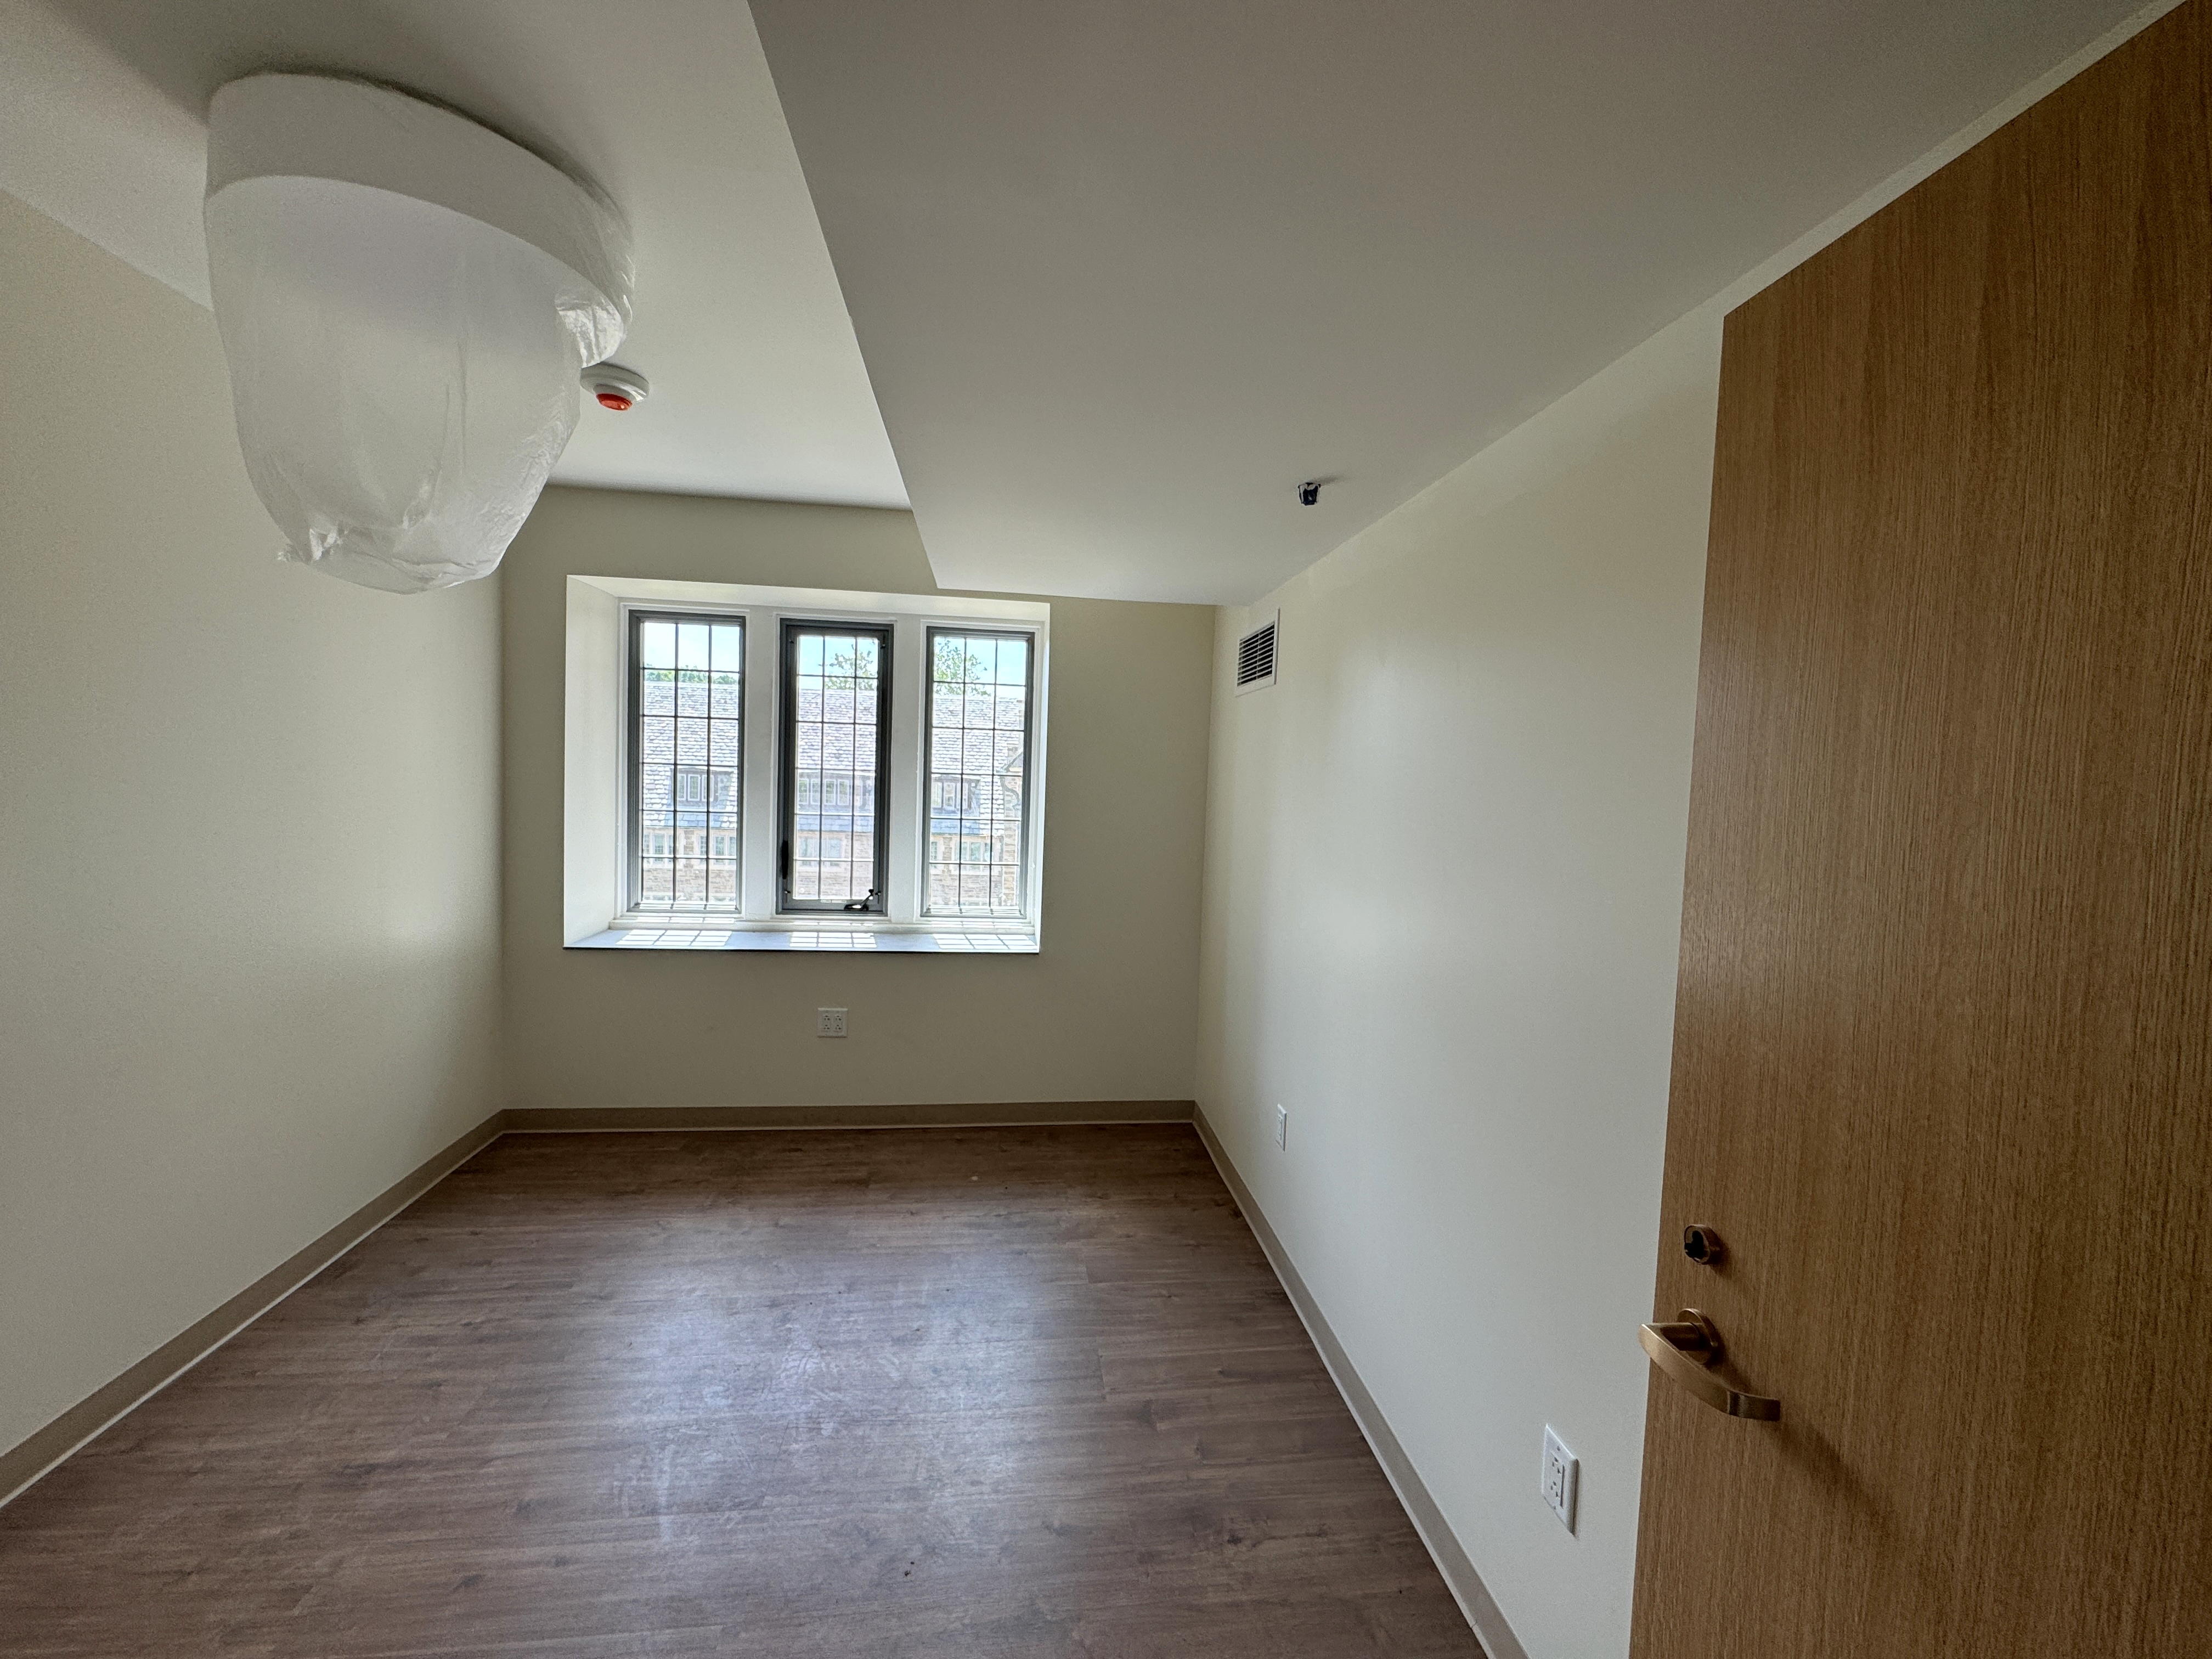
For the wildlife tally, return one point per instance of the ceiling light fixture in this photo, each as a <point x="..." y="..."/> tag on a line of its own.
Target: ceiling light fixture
<point x="405" y="298"/>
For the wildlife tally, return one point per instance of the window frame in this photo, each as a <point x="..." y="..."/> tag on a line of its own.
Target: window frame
<point x="633" y="803"/>
<point x="598" y="814"/>
<point x="878" y="902"/>
<point x="930" y="632"/>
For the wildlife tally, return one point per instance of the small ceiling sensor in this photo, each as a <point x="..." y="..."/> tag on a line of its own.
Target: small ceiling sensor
<point x="615" y="387"/>
<point x="1308" y="492"/>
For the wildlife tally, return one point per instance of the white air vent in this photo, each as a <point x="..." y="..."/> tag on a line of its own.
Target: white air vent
<point x="1256" y="656"/>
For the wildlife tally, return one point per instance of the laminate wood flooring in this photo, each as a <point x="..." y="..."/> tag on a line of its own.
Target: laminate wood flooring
<point x="906" y="1393"/>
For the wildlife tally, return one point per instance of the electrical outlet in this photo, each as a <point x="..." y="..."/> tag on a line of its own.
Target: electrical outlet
<point x="828" y="1022"/>
<point x="1283" y="1127"/>
<point x="1561" y="1470"/>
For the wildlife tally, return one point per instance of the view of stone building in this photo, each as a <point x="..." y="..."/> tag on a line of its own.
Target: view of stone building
<point x="688" y="779"/>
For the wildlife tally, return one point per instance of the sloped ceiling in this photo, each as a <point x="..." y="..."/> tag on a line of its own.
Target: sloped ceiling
<point x="1126" y="272"/>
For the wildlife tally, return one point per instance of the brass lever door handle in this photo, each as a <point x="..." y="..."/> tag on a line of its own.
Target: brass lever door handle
<point x="1687" y="1348"/>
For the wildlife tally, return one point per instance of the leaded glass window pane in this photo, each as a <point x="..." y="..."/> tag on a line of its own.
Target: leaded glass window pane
<point x="836" y="695"/>
<point x="688" y="693"/>
<point x="976" y="838"/>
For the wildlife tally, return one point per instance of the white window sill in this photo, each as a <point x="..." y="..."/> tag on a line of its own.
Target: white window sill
<point x="950" y="938"/>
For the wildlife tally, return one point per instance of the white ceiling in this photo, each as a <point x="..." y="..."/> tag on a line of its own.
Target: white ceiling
<point x="1125" y="273"/>
<point x="758" y="386"/>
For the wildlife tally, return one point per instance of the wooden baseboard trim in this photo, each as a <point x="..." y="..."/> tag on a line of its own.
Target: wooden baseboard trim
<point x="1466" y="1585"/>
<point x="599" y="1120"/>
<point x="22" y="1465"/>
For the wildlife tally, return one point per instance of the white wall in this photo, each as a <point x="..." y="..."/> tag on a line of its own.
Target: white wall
<point x="1106" y="1012"/>
<point x="248" y="824"/>
<point x="1444" y="865"/>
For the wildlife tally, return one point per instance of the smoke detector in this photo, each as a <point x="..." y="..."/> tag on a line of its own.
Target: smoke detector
<point x="615" y="387"/>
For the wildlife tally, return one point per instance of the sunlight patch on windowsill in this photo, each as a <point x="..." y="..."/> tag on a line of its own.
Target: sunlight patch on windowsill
<point x="922" y="941"/>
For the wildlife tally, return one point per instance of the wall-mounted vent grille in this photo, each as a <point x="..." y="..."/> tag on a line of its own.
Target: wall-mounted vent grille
<point x="1256" y="656"/>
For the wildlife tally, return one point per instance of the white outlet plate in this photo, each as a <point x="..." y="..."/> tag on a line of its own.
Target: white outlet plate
<point x="828" y="1022"/>
<point x="1562" y="1473"/>
<point x="1283" y="1127"/>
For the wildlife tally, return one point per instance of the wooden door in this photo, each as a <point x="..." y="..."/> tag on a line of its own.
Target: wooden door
<point x="1940" y="1080"/>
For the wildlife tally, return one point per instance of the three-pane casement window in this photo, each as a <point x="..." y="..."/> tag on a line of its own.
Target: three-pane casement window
<point x="686" y="702"/>
<point x="976" y="851"/>
<point x="833" y="852"/>
<point x="885" y="773"/>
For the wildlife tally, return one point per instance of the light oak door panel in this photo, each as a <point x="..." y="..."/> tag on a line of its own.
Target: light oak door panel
<point x="1943" y="1047"/>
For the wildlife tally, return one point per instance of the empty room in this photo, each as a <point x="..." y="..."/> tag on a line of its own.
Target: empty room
<point x="842" y="829"/>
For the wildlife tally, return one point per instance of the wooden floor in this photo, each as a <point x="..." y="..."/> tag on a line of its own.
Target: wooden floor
<point x="916" y="1393"/>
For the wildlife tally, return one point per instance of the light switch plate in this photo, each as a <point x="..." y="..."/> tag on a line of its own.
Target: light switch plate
<point x="1561" y="1473"/>
<point x="1283" y="1127"/>
<point x="828" y="1022"/>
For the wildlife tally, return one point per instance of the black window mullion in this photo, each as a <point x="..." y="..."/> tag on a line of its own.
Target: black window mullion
<point x="787" y="772"/>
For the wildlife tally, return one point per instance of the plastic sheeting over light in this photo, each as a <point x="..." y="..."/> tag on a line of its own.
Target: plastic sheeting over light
<point x="405" y="299"/>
